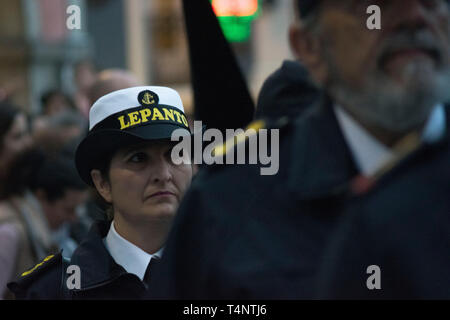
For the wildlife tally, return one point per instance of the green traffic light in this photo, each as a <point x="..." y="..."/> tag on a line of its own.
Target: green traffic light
<point x="236" y="27"/>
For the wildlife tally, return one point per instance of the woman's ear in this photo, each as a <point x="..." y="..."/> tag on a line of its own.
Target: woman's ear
<point x="102" y="185"/>
<point x="306" y="47"/>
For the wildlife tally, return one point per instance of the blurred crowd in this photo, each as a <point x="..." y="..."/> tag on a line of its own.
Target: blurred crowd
<point x="363" y="183"/>
<point x="44" y="205"/>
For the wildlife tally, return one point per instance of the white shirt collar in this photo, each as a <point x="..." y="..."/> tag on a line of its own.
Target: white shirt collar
<point x="132" y="258"/>
<point x="436" y="125"/>
<point x="369" y="153"/>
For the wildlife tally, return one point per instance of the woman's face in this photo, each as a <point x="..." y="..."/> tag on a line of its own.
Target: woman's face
<point x="16" y="140"/>
<point x="143" y="183"/>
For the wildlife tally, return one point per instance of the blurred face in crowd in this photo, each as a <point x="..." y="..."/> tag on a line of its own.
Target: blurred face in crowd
<point x="57" y="103"/>
<point x="16" y="140"/>
<point x="52" y="138"/>
<point x="389" y="78"/>
<point x="144" y="185"/>
<point x="62" y="210"/>
<point x="85" y="75"/>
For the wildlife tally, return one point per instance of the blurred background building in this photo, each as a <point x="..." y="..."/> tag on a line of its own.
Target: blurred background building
<point x="39" y="53"/>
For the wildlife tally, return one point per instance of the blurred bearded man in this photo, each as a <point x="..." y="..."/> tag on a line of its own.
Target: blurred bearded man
<point x="376" y="147"/>
<point x="388" y="80"/>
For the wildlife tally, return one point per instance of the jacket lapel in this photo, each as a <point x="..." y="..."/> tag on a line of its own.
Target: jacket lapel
<point x="96" y="264"/>
<point x="321" y="163"/>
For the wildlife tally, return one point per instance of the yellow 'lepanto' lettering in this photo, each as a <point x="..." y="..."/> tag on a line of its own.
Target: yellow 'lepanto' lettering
<point x="145" y="113"/>
<point x="178" y="116"/>
<point x="123" y="125"/>
<point x="134" y="118"/>
<point x="141" y="116"/>
<point x="157" y="114"/>
<point x="183" y="118"/>
<point x="168" y="114"/>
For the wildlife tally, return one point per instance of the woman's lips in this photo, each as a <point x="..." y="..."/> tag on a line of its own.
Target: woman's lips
<point x="161" y="194"/>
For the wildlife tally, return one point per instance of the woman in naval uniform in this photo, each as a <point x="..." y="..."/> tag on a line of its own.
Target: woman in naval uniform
<point x="127" y="157"/>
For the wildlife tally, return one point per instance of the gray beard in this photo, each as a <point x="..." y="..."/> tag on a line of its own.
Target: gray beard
<point x="383" y="103"/>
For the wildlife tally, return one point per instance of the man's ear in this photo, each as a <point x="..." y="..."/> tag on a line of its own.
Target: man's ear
<point x="102" y="185"/>
<point x="306" y="48"/>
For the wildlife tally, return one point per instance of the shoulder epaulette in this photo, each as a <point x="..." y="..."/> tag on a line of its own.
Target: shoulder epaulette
<point x="30" y="275"/>
<point x="250" y="130"/>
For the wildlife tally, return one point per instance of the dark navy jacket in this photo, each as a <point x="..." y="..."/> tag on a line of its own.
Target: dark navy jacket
<point x="403" y="228"/>
<point x="247" y="236"/>
<point x="101" y="276"/>
<point x="288" y="91"/>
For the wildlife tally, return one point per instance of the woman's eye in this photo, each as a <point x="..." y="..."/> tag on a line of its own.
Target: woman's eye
<point x="138" y="157"/>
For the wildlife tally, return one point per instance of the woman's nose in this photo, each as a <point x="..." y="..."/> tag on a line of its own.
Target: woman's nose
<point x="161" y="171"/>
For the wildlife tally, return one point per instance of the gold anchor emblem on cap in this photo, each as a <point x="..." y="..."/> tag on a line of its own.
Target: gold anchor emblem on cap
<point x="148" y="99"/>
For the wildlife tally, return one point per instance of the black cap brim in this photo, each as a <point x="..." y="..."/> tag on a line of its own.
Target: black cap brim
<point x="91" y="152"/>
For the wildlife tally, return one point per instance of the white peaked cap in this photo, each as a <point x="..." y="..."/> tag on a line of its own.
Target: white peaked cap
<point x="124" y="99"/>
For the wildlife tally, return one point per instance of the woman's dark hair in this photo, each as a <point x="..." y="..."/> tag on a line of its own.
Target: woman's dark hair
<point x="103" y="164"/>
<point x="8" y="113"/>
